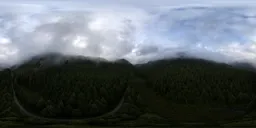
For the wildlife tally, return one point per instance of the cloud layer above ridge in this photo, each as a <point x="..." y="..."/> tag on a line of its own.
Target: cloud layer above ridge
<point x="135" y="33"/>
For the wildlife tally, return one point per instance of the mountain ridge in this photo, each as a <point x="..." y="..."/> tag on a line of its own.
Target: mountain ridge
<point x="176" y="83"/>
<point x="58" y="58"/>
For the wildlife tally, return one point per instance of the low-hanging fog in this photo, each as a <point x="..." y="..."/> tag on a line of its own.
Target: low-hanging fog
<point x="136" y="32"/>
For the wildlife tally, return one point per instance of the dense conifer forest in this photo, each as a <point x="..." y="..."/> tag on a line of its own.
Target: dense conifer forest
<point x="82" y="88"/>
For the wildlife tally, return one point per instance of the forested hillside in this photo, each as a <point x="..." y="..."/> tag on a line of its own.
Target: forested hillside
<point x="195" y="81"/>
<point x="78" y="88"/>
<point x="75" y="89"/>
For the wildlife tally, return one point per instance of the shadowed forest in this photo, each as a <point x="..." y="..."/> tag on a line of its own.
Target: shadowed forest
<point x="171" y="92"/>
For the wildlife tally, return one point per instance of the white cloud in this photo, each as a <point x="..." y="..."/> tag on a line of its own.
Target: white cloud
<point x="126" y="30"/>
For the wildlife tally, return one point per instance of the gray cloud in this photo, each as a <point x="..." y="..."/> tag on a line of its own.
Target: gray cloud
<point x="135" y="33"/>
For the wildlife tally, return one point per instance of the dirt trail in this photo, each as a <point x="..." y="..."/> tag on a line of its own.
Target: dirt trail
<point x="156" y="104"/>
<point x="35" y="116"/>
<point x="26" y="112"/>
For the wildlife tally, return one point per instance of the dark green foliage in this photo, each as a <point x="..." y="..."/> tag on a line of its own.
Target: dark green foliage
<point x="76" y="89"/>
<point x="80" y="88"/>
<point x="195" y="81"/>
<point x="5" y="93"/>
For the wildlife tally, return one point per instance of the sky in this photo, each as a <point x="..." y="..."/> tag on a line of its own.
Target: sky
<point x="138" y="31"/>
<point x="139" y="3"/>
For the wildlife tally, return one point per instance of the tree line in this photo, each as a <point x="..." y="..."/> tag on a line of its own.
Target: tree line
<point x="79" y="89"/>
<point x="191" y="81"/>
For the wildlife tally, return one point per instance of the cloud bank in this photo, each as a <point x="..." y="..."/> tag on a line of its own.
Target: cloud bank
<point x="138" y="34"/>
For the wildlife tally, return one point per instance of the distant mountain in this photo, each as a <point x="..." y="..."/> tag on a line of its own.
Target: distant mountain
<point x="244" y="65"/>
<point x="123" y="61"/>
<point x="183" y="60"/>
<point x="50" y="59"/>
<point x="3" y="66"/>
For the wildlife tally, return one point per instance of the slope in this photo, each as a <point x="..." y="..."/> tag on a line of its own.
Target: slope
<point x="176" y="89"/>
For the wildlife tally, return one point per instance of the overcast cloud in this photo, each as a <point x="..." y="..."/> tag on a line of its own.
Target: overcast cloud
<point x="135" y="30"/>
